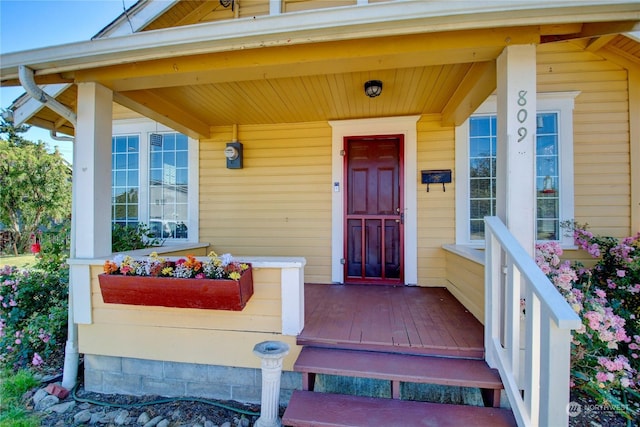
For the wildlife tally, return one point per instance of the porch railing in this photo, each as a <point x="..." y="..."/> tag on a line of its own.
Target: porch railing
<point x="536" y="382"/>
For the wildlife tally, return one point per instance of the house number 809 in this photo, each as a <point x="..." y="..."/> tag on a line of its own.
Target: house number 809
<point x="522" y="114"/>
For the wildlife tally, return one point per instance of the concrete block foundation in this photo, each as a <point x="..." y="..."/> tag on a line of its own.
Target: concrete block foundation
<point x="138" y="377"/>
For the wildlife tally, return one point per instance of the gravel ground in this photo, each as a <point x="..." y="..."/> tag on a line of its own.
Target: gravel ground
<point x="126" y="410"/>
<point x="177" y="413"/>
<point x="122" y="410"/>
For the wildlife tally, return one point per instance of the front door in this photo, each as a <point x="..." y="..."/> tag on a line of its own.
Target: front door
<point x="374" y="210"/>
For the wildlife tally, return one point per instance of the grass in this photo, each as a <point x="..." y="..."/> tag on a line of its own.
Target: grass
<point x="25" y="260"/>
<point x="12" y="387"/>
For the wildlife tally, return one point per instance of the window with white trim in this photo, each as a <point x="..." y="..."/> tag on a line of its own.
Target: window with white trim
<point x="548" y="182"/>
<point x="154" y="180"/>
<point x="476" y="142"/>
<point x="169" y="186"/>
<point x="125" y="179"/>
<point x="482" y="172"/>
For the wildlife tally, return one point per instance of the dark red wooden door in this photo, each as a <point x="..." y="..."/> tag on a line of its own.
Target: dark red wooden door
<point x="374" y="219"/>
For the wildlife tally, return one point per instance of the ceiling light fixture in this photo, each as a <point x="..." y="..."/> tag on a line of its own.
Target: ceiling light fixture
<point x="373" y="88"/>
<point x="226" y="3"/>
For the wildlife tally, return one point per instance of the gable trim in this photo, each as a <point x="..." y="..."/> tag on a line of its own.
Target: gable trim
<point x="136" y="18"/>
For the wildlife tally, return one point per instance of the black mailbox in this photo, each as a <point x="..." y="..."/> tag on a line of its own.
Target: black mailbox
<point x="436" y="176"/>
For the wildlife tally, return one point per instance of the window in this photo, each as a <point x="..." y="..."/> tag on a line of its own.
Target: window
<point x="476" y="143"/>
<point x="548" y="182"/>
<point x="169" y="186"/>
<point x="125" y="179"/>
<point x="154" y="180"/>
<point x="482" y="173"/>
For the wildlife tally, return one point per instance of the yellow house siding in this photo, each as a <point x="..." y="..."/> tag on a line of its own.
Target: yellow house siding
<point x="253" y="8"/>
<point x="298" y="5"/>
<point x="436" y="219"/>
<point x="634" y="81"/>
<point x="601" y="133"/>
<point x="279" y="204"/>
<point x="215" y="337"/>
<point x="466" y="283"/>
<point x="194" y="12"/>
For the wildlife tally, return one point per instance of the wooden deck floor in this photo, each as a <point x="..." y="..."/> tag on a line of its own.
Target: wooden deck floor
<point x="413" y="320"/>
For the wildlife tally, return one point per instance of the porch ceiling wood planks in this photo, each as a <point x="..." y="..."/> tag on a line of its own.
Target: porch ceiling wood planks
<point x="414" y="320"/>
<point x="272" y="84"/>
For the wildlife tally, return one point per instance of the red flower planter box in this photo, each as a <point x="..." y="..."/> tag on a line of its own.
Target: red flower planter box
<point x="214" y="294"/>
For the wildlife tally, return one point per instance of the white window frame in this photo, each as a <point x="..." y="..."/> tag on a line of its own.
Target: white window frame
<point x="552" y="102"/>
<point x="127" y="221"/>
<point x="144" y="128"/>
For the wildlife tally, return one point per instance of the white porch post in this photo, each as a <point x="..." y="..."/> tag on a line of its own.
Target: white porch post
<point x="92" y="172"/>
<point x="90" y="210"/>
<point x="516" y="172"/>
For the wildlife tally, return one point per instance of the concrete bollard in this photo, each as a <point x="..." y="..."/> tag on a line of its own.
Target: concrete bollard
<point x="271" y="353"/>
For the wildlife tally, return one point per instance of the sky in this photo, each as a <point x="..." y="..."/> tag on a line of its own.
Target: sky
<point x="30" y="24"/>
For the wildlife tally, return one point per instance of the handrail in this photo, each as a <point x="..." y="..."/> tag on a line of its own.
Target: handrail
<point x="536" y="377"/>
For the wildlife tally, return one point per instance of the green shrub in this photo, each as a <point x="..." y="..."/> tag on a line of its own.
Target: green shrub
<point x="34" y="302"/>
<point x="54" y="248"/>
<point x="128" y="237"/>
<point x="33" y="315"/>
<point x="605" y="359"/>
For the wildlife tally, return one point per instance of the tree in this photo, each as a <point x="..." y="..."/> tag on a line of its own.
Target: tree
<point x="35" y="186"/>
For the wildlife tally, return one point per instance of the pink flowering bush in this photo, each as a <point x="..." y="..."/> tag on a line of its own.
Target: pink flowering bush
<point x="605" y="360"/>
<point x="33" y="316"/>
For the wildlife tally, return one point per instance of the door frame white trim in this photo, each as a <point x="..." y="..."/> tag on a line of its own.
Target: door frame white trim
<point x="407" y="126"/>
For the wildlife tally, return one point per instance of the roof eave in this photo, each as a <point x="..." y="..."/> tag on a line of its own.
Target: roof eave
<point x="380" y="19"/>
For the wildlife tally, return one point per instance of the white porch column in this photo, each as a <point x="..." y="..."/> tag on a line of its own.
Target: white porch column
<point x="516" y="172"/>
<point x="91" y="205"/>
<point x="90" y="209"/>
<point x="92" y="172"/>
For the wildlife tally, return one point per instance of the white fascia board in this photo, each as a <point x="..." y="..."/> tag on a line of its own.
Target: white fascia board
<point x="30" y="107"/>
<point x="340" y="23"/>
<point x="136" y="18"/>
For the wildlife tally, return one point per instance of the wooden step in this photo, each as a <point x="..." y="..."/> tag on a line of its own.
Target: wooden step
<point x="309" y="409"/>
<point x="467" y="352"/>
<point x="399" y="368"/>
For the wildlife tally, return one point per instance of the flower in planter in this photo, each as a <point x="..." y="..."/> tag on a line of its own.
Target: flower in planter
<point x="214" y="267"/>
